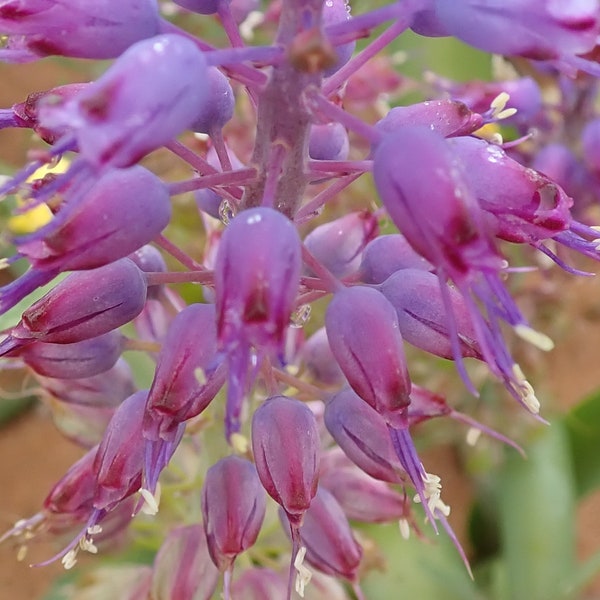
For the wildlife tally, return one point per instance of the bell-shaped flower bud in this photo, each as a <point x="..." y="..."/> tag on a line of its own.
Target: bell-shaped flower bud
<point x="449" y="118"/>
<point x="328" y="141"/>
<point x="364" y="336"/>
<point x="219" y="105"/>
<point x="326" y="534"/>
<point x="79" y="29"/>
<point x="257" y="274"/>
<point x="233" y="509"/>
<point x="131" y="110"/>
<point x="387" y="254"/>
<point x="285" y="443"/>
<point x="259" y="583"/>
<point x="120" y="458"/>
<point x="107" y="389"/>
<point x="183" y="568"/>
<point x="338" y="245"/>
<point x="422" y="317"/>
<point x="530" y="28"/>
<point x="319" y="360"/>
<point x="363" y="498"/>
<point x="82" y="306"/>
<point x="187" y="375"/>
<point x="150" y="260"/>
<point x="334" y="12"/>
<point x="74" y="361"/>
<point x="362" y="433"/>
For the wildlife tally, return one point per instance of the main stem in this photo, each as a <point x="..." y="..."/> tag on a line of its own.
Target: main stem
<point x="283" y="120"/>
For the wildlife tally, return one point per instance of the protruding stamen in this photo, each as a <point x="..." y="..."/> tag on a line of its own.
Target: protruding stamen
<point x="404" y="527"/>
<point x="526" y="390"/>
<point x="538" y="339"/>
<point x="304" y="575"/>
<point x="239" y="443"/>
<point x="151" y="501"/>
<point x="473" y="435"/>
<point x="433" y="492"/>
<point x="200" y="376"/>
<point x="250" y="23"/>
<point x="498" y="104"/>
<point x="21" y="553"/>
<point x="69" y="560"/>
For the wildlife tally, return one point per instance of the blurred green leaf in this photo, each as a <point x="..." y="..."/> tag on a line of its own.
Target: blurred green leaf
<point x="583" y="428"/>
<point x="418" y="569"/>
<point x="537" y="511"/>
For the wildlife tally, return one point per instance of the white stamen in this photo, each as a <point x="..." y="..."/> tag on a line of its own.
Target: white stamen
<point x="203" y="137"/>
<point x="250" y="23"/>
<point x="432" y="493"/>
<point x="404" y="527"/>
<point x="304" y="575"/>
<point x="21" y="553"/>
<point x="87" y="545"/>
<point x="526" y="391"/>
<point x="473" y="435"/>
<point x="69" y="559"/>
<point x="94" y="530"/>
<point x="496" y="138"/>
<point x="506" y="113"/>
<point x="499" y="103"/>
<point x="538" y="339"/>
<point x="239" y="442"/>
<point x="4" y="263"/>
<point x="200" y="375"/>
<point x="151" y="501"/>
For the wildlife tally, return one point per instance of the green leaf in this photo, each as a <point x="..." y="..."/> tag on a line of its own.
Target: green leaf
<point x="583" y="428"/>
<point x="537" y="506"/>
<point x="418" y="569"/>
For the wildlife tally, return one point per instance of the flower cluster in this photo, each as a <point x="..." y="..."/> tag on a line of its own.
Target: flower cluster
<point x="318" y="412"/>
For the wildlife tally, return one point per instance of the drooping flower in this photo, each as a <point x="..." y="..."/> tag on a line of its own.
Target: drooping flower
<point x="257" y="274"/>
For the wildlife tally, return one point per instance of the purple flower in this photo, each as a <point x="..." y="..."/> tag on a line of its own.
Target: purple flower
<point x="233" y="509"/>
<point x="285" y="443"/>
<point x="219" y="105"/>
<point x="101" y="29"/>
<point x="364" y="336"/>
<point x="257" y="274"/>
<point x="82" y="306"/>
<point x="328" y="141"/>
<point x="187" y="376"/>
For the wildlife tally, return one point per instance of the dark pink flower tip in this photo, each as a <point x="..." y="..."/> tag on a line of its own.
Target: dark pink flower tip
<point x="183" y="568"/>
<point x="82" y="306"/>
<point x="328" y="141"/>
<point x="362" y="433"/>
<point x="424" y="322"/>
<point x="80" y="29"/>
<point x="387" y="254"/>
<point x="522" y="205"/>
<point x="74" y="361"/>
<point x="330" y="545"/>
<point x="286" y="446"/>
<point x="131" y="109"/>
<point x="364" y="336"/>
<point x="120" y="458"/>
<point x="28" y="111"/>
<point x="339" y="244"/>
<point x="185" y="372"/>
<point x="233" y="509"/>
